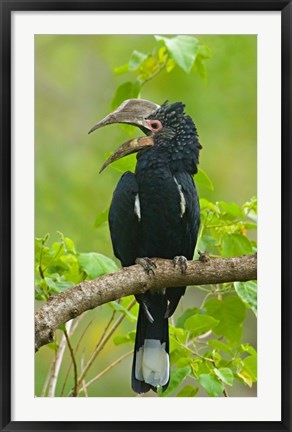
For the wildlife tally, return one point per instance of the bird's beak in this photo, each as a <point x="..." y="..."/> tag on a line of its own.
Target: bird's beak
<point x="131" y="146"/>
<point x="132" y="111"/>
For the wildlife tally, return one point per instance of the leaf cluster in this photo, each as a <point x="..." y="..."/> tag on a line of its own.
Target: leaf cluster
<point x="224" y="228"/>
<point x="59" y="266"/>
<point x="183" y="51"/>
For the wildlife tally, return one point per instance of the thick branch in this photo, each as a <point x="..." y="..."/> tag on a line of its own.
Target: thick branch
<point x="133" y="280"/>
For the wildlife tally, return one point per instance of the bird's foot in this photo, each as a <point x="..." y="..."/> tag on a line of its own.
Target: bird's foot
<point x="182" y="262"/>
<point x="147" y="264"/>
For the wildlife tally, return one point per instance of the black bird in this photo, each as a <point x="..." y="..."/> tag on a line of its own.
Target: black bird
<point x="155" y="213"/>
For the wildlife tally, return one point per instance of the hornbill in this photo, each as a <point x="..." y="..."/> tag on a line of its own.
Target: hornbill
<point x="155" y="213"/>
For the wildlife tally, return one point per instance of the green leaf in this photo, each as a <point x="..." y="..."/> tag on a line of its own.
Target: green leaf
<point x="73" y="272"/>
<point x="251" y="206"/>
<point x="200" y="366"/>
<point x="200" y="67"/>
<point x="101" y="218"/>
<point x="247" y="291"/>
<point x="179" y="334"/>
<point x="57" y="286"/>
<point x="95" y="264"/>
<point x="236" y="245"/>
<point x="183" y="49"/>
<point x="207" y="244"/>
<point x="170" y="65"/>
<point x="250" y="225"/>
<point x="127" y="163"/>
<point x="250" y="366"/>
<point x="247" y="348"/>
<point x="162" y="54"/>
<point x="57" y="248"/>
<point x="69" y="245"/>
<point x="225" y="375"/>
<point x="204" y="53"/>
<point x="244" y="377"/>
<point x="63" y="285"/>
<point x="177" y="376"/>
<point x="188" y="391"/>
<point x="176" y="350"/>
<point x="136" y="59"/>
<point x="120" y="308"/>
<point x="205" y="204"/>
<point x="203" y="179"/>
<point x="121" y="69"/>
<point x="186" y="314"/>
<point x="231" y="210"/>
<point x="220" y="346"/>
<point x="53" y="345"/>
<point x="128" y="338"/>
<point x="127" y="90"/>
<point x="39" y="296"/>
<point x="211" y="384"/>
<point x="200" y="324"/>
<point x="230" y="312"/>
<point x="182" y="362"/>
<point x="125" y="302"/>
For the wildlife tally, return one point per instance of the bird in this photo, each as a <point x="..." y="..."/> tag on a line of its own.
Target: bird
<point x="155" y="213"/>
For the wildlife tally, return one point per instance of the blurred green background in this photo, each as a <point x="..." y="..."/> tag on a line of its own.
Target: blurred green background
<point x="74" y="85"/>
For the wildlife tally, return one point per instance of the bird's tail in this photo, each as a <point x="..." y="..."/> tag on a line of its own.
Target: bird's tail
<point x="151" y="354"/>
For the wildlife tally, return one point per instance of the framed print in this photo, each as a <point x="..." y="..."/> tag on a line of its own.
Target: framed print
<point x="207" y="85"/>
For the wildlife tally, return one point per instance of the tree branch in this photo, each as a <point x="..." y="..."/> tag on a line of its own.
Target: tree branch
<point x="133" y="280"/>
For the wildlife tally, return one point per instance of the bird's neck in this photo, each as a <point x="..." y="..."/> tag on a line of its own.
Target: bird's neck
<point x="173" y="157"/>
<point x="152" y="160"/>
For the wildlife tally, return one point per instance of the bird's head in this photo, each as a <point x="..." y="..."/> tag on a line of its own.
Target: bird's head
<point x="162" y="125"/>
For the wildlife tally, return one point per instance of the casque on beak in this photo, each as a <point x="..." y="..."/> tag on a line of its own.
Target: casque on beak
<point x="133" y="112"/>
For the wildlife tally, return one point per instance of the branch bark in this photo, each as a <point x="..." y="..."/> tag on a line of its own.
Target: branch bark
<point x="133" y="280"/>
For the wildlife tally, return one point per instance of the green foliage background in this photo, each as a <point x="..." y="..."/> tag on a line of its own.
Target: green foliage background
<point x="74" y="84"/>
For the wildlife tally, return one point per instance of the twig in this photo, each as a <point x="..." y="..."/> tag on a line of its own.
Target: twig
<point x="75" y="352"/>
<point x="107" y="369"/>
<point x="73" y="361"/>
<point x="102" y="344"/>
<point x="157" y="72"/>
<point x="58" y="361"/>
<point x="83" y="382"/>
<point x="47" y="380"/>
<point x="106" y="328"/>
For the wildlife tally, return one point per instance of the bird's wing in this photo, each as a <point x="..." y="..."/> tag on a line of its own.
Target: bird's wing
<point x="191" y="218"/>
<point x="124" y="217"/>
<point x="190" y="223"/>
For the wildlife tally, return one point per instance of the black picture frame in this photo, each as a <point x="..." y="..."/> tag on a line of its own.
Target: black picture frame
<point x="6" y="8"/>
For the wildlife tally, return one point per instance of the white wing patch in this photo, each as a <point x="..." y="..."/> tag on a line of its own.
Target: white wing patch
<point x="182" y="198"/>
<point x="137" y="208"/>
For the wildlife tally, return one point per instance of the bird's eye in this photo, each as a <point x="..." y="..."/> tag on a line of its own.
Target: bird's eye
<point x="154" y="125"/>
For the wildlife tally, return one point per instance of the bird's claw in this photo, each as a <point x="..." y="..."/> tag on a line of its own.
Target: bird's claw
<point x="147" y="264"/>
<point x="182" y="262"/>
